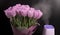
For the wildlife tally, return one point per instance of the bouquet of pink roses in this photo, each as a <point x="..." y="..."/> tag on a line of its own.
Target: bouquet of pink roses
<point x="22" y="16"/>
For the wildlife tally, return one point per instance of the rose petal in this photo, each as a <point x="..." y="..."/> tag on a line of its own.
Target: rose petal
<point x="9" y="12"/>
<point x="39" y="14"/>
<point x="30" y="12"/>
<point x="24" y="9"/>
<point x="35" y="14"/>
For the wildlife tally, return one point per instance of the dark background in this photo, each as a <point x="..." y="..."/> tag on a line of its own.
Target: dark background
<point x="5" y="27"/>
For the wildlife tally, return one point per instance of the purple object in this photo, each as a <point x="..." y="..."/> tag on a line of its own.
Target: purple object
<point x="49" y="30"/>
<point x="48" y="26"/>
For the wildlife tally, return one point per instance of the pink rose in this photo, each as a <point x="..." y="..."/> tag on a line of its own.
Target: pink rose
<point x="9" y="12"/>
<point x="24" y="9"/>
<point x="39" y="14"/>
<point x="30" y="12"/>
<point x="35" y="14"/>
<point x="17" y="7"/>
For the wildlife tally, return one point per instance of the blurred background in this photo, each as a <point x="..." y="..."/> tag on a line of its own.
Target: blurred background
<point x="50" y="9"/>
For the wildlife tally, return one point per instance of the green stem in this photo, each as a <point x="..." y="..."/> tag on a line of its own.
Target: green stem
<point x="24" y="22"/>
<point x="21" y="20"/>
<point x="29" y="22"/>
<point x="14" y="21"/>
<point x="34" y="21"/>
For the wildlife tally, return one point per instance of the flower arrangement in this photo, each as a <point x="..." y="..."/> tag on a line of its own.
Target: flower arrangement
<point x="23" y="16"/>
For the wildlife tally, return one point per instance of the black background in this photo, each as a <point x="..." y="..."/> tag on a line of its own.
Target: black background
<point x="5" y="28"/>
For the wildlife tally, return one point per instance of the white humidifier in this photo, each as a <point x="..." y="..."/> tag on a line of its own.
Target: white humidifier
<point x="49" y="30"/>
